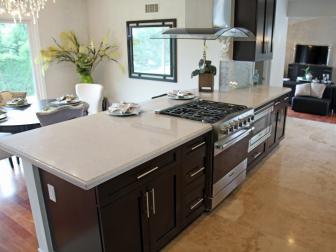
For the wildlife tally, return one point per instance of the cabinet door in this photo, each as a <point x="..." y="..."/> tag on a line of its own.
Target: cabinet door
<point x="163" y="200"/>
<point x="269" y="25"/>
<point x="123" y="223"/>
<point x="272" y="139"/>
<point x="260" y="32"/>
<point x="281" y="122"/>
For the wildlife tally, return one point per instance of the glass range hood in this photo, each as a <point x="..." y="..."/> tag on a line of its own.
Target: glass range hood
<point x="208" y="20"/>
<point x="237" y="33"/>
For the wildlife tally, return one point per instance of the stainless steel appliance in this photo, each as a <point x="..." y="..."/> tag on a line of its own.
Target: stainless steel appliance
<point x="208" y="20"/>
<point x="262" y="126"/>
<point x="232" y="126"/>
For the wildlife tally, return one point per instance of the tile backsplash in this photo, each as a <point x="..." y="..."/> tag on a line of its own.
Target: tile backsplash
<point x="235" y="74"/>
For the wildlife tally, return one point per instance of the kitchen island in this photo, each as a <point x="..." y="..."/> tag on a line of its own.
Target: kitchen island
<point x="104" y="174"/>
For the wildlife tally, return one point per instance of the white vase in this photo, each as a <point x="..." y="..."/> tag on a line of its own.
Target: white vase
<point x="92" y="94"/>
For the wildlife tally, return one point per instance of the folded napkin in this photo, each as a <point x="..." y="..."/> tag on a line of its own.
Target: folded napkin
<point x="180" y="93"/>
<point x="66" y="98"/>
<point x="17" y="101"/>
<point x="124" y="108"/>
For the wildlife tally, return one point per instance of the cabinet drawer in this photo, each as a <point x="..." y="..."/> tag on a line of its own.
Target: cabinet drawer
<point x="256" y="153"/>
<point x="193" y="169"/>
<point x="193" y="201"/>
<point x="281" y="103"/>
<point x="109" y="190"/>
<point x="195" y="148"/>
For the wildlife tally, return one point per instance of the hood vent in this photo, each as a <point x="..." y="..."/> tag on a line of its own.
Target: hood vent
<point x="209" y="20"/>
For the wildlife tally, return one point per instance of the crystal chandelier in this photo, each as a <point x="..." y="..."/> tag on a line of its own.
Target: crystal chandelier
<point x="22" y="8"/>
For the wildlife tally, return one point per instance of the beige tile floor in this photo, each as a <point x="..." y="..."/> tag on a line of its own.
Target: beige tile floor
<point x="287" y="203"/>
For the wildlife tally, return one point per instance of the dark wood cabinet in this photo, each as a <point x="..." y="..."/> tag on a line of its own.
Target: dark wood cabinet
<point x="140" y="210"/>
<point x="279" y="116"/>
<point x="120" y="233"/>
<point x="258" y="17"/>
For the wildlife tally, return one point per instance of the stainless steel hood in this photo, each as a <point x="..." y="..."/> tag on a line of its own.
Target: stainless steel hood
<point x="209" y="20"/>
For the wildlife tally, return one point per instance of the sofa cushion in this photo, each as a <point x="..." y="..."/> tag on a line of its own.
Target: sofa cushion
<point x="317" y="90"/>
<point x="303" y="90"/>
<point x="311" y="105"/>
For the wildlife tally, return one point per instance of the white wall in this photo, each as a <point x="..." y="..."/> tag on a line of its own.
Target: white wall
<point x="111" y="16"/>
<point x="279" y="44"/>
<point x="64" y="15"/>
<point x="317" y="31"/>
<point x="311" y="8"/>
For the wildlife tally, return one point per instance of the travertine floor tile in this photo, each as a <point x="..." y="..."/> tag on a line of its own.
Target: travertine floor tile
<point x="288" y="202"/>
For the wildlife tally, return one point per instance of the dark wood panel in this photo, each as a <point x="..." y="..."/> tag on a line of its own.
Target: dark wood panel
<point x="73" y="217"/>
<point x="226" y="160"/>
<point x="164" y="197"/>
<point x="124" y="223"/>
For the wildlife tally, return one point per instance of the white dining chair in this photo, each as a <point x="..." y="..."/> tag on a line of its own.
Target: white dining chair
<point x="92" y="94"/>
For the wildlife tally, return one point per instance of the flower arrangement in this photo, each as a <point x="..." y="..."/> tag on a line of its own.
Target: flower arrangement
<point x="85" y="57"/>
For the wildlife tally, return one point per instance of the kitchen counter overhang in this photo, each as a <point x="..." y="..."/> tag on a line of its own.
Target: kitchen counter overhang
<point x="91" y="150"/>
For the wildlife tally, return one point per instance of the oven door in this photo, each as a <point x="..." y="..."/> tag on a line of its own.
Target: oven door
<point x="261" y="127"/>
<point x="230" y="154"/>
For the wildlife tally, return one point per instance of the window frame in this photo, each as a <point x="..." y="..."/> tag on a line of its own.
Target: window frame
<point x="173" y="51"/>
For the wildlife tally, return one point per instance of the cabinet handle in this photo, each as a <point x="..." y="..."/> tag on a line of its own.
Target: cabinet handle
<point x="197" y="172"/>
<point x="196" y="204"/>
<point x="286" y="98"/>
<point x="256" y="156"/>
<point x="148" y="172"/>
<point x="147" y="205"/>
<point x="153" y="201"/>
<point x="277" y="103"/>
<point x="197" y="146"/>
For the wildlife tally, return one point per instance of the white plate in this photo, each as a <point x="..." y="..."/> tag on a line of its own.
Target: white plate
<point x="14" y="105"/>
<point x="61" y="103"/>
<point x="176" y="97"/>
<point x="118" y="113"/>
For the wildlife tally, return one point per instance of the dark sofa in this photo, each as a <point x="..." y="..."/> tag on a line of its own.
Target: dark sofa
<point x="313" y="105"/>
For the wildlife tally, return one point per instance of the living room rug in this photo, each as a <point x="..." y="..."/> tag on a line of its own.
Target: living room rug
<point x="318" y="118"/>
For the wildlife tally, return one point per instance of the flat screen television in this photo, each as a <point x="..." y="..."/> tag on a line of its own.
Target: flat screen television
<point x="311" y="54"/>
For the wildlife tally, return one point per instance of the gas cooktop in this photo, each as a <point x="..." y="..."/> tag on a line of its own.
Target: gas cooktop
<point x="205" y="111"/>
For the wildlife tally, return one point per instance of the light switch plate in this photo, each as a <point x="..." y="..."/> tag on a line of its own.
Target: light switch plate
<point x="51" y="191"/>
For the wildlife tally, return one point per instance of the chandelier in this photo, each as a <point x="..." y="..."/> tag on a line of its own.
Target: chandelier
<point x="22" y="8"/>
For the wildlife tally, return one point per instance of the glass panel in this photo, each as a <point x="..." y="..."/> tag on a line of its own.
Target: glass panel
<point x="151" y="56"/>
<point x="16" y="72"/>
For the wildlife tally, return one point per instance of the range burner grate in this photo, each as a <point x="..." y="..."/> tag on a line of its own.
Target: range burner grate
<point x="205" y="111"/>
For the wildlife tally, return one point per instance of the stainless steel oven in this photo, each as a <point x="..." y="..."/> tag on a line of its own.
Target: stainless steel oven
<point x="262" y="128"/>
<point x="229" y="164"/>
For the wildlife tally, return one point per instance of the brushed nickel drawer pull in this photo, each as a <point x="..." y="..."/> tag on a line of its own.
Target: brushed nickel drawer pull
<point x="148" y="172"/>
<point x="147" y="205"/>
<point x="286" y="98"/>
<point x="153" y="201"/>
<point x="277" y="103"/>
<point x="256" y="156"/>
<point x="197" y="146"/>
<point x="196" y="204"/>
<point x="197" y="172"/>
<point x="231" y="174"/>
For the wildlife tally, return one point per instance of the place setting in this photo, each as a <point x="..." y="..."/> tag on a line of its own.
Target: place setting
<point x="17" y="103"/>
<point x="124" y="109"/>
<point x="181" y="95"/>
<point x="68" y="99"/>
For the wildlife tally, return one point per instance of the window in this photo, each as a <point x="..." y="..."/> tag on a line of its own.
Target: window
<point x="16" y="70"/>
<point x="151" y="59"/>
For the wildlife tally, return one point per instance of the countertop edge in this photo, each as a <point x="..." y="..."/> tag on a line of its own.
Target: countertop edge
<point x="87" y="185"/>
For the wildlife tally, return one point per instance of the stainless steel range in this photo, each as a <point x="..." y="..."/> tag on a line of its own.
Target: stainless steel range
<point x="232" y="126"/>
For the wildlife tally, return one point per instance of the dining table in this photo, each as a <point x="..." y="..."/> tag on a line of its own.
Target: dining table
<point x="24" y="118"/>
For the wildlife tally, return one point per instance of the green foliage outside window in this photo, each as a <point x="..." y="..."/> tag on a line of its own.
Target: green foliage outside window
<point x="16" y="72"/>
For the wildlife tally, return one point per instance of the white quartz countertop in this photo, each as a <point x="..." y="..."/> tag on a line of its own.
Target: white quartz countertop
<point x="91" y="150"/>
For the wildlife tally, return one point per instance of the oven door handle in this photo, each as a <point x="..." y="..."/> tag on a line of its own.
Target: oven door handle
<point x="234" y="141"/>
